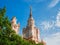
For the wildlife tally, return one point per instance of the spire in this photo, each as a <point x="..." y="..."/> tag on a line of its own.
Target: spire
<point x="30" y="11"/>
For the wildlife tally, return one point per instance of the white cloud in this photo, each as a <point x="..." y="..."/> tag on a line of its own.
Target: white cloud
<point x="53" y="39"/>
<point x="47" y="25"/>
<point x="58" y="20"/>
<point x="53" y="3"/>
<point x="51" y="24"/>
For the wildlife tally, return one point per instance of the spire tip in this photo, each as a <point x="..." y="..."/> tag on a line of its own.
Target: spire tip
<point x="30" y="11"/>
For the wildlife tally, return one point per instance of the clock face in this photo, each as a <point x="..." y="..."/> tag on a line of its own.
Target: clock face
<point x="31" y="22"/>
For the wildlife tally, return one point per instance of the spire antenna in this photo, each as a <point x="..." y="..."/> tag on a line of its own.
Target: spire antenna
<point x="30" y="11"/>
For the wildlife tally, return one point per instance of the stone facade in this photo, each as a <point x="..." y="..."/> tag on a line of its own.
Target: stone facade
<point x="31" y="32"/>
<point x="14" y="25"/>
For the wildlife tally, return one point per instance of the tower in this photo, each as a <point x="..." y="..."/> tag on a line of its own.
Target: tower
<point x="31" y="32"/>
<point x="14" y="25"/>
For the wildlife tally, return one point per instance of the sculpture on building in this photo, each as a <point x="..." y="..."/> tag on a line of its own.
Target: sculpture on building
<point x="14" y="25"/>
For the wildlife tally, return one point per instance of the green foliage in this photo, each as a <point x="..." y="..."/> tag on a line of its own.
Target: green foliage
<point x="7" y="35"/>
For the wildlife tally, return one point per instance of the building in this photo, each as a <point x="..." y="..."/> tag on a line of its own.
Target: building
<point x="14" y="25"/>
<point x="31" y="32"/>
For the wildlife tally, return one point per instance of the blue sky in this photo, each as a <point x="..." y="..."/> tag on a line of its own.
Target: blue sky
<point x="45" y="13"/>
